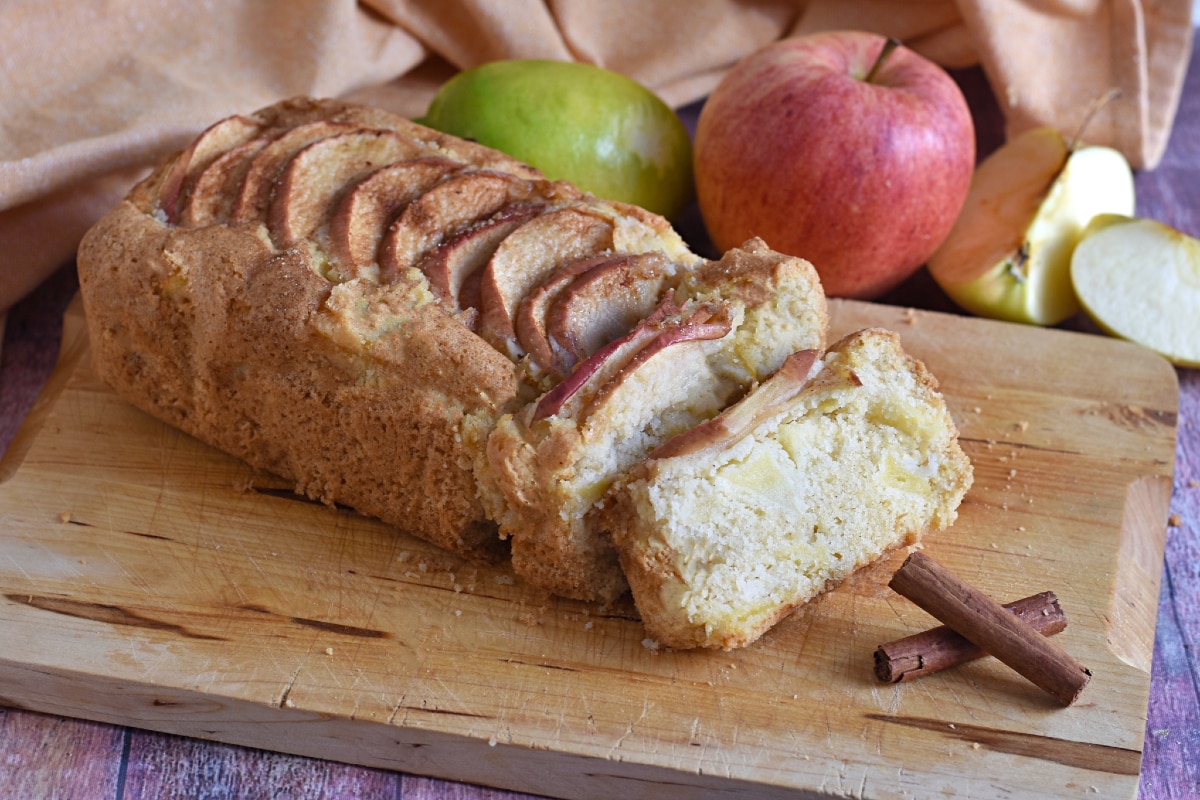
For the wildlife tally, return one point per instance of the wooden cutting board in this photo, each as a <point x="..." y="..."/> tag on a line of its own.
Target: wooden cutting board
<point x="151" y="581"/>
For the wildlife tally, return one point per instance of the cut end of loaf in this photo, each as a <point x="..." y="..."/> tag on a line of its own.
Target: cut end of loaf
<point x="719" y="545"/>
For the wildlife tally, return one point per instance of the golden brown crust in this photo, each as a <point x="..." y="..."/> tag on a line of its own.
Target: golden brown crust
<point x="527" y="466"/>
<point x="258" y="355"/>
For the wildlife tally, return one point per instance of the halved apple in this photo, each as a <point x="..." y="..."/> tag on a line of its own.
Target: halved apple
<point x="1140" y="280"/>
<point x="1008" y="255"/>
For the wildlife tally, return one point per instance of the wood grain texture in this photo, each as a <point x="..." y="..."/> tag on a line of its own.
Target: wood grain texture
<point x="1171" y="762"/>
<point x="40" y="750"/>
<point x="159" y="765"/>
<point x="154" y="582"/>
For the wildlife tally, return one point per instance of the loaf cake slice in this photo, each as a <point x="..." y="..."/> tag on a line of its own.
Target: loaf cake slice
<point x="729" y="324"/>
<point x="828" y="465"/>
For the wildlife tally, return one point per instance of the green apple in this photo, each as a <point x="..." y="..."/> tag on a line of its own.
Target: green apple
<point x="1008" y="255"/>
<point x="595" y="128"/>
<point x="1140" y="280"/>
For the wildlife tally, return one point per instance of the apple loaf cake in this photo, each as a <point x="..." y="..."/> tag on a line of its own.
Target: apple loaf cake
<point x="327" y="291"/>
<point x="835" y="460"/>
<point x="434" y="334"/>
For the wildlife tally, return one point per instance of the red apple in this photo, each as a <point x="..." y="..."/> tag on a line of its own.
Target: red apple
<point x="843" y="148"/>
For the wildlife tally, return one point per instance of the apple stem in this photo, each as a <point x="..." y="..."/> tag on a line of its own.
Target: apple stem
<point x="1096" y="104"/>
<point x="888" y="48"/>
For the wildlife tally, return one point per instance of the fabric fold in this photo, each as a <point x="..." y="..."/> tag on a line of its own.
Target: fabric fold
<point x="94" y="91"/>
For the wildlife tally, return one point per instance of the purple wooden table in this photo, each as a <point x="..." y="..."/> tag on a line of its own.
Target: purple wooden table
<point x="50" y="757"/>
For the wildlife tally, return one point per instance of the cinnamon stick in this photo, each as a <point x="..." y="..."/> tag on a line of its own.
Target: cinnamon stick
<point x="985" y="623"/>
<point x="941" y="648"/>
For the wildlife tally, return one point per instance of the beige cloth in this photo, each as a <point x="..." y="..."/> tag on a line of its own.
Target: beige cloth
<point x="92" y="92"/>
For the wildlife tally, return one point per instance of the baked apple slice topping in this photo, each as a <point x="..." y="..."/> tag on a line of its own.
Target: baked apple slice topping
<point x="602" y="366"/>
<point x="215" y="140"/>
<point x="526" y="258"/>
<point x="603" y="371"/>
<point x="368" y="207"/>
<point x="604" y="302"/>
<point x="319" y="173"/>
<point x="468" y="296"/>
<point x="531" y="313"/>
<point x="584" y="305"/>
<point x="454" y="261"/>
<point x="213" y="192"/>
<point x="253" y="202"/>
<point x="442" y="212"/>
<point x="771" y="397"/>
<point x="700" y="323"/>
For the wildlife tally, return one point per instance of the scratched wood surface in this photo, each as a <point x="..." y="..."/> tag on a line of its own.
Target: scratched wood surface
<point x="45" y="755"/>
<point x="152" y="581"/>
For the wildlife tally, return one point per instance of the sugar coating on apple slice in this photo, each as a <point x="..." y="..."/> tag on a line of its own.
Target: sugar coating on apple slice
<point x="253" y="202"/>
<point x="524" y="260"/>
<point x="366" y="210"/>
<point x="604" y="302"/>
<point x="315" y="177"/>
<point x="215" y="189"/>
<point x="442" y="212"/>
<point x="215" y="140"/>
<point x="452" y="263"/>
